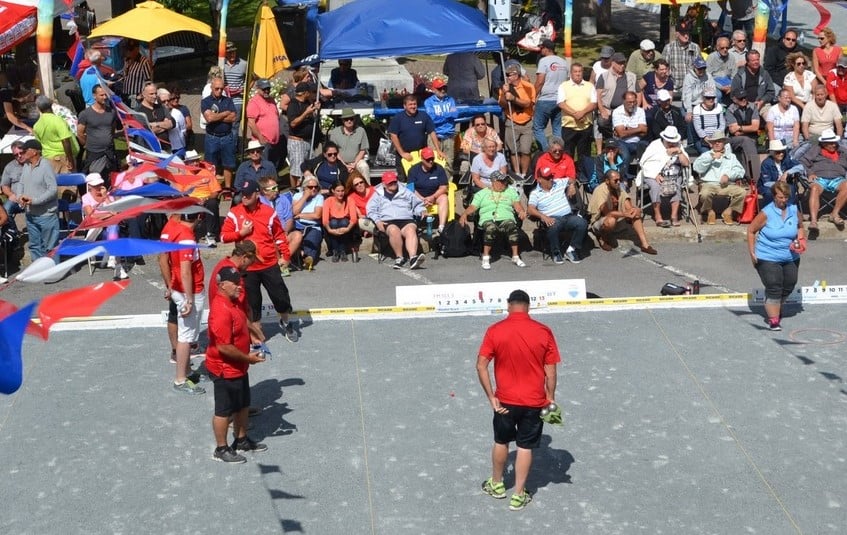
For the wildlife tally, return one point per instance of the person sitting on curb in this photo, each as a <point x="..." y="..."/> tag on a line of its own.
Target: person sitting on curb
<point x="393" y="209"/>
<point x="612" y="212"/>
<point x="719" y="169"/>
<point x="497" y="207"/>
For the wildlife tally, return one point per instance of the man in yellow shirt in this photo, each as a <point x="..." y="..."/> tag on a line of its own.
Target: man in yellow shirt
<point x="577" y="100"/>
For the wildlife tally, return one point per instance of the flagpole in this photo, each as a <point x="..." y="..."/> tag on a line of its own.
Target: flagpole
<point x="44" y="45"/>
<point x="248" y="80"/>
<point x="222" y="34"/>
<point x="568" y="28"/>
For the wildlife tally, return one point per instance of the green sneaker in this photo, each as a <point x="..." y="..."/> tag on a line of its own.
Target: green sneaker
<point x="519" y="501"/>
<point x="495" y="490"/>
<point x="284" y="271"/>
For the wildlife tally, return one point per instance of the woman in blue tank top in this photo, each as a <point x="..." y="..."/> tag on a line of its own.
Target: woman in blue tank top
<point x="775" y="239"/>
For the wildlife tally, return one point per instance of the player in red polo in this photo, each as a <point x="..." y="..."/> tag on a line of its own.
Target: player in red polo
<point x="259" y="223"/>
<point x="243" y="256"/>
<point x="183" y="274"/>
<point x="525" y="355"/>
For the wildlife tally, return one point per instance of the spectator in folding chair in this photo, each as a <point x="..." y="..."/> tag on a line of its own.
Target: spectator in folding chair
<point x="661" y="166"/>
<point x="59" y="142"/>
<point x="557" y="162"/>
<point x="629" y="126"/>
<point x="95" y="130"/>
<point x="473" y="139"/>
<point x="497" y="207"/>
<point x="707" y="117"/>
<point x="307" y="206"/>
<point x="549" y="202"/>
<point x="778" y="167"/>
<point x="820" y="114"/>
<point x="485" y="163"/>
<point x="826" y="167"/>
<point x="836" y="84"/>
<point x="430" y="182"/>
<point x="95" y="197"/>
<point x="719" y="171"/>
<point x="359" y="191"/>
<point x="665" y="114"/>
<point x="39" y="198"/>
<point x="393" y="209"/>
<point x="612" y="212"/>
<point x="742" y="121"/>
<point x="327" y="167"/>
<point x="10" y="183"/>
<point x="609" y="160"/>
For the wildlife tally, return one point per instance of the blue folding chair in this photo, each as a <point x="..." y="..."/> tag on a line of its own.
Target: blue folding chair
<point x="66" y="208"/>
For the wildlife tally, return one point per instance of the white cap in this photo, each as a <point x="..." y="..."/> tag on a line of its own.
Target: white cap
<point x="647" y="44"/>
<point x="94" y="179"/>
<point x="662" y="94"/>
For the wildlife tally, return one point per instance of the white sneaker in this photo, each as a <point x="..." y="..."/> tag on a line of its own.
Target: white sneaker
<point x="486" y="262"/>
<point x="3" y="280"/>
<point x="516" y="260"/>
<point x="111" y="263"/>
<point x="122" y="274"/>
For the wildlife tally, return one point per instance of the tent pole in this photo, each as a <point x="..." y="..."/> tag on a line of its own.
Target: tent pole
<point x="509" y="104"/>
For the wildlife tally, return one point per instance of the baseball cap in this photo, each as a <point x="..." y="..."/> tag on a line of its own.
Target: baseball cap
<point x="249" y="188"/>
<point x="427" y="153"/>
<point x="647" y="45"/>
<point x="606" y="52"/>
<point x="546" y="172"/>
<point x="230" y="274"/>
<point x="663" y="94"/>
<point x="438" y="83"/>
<point x="699" y="63"/>
<point x="611" y="144"/>
<point x="739" y="93"/>
<point x="842" y="62"/>
<point x="548" y="44"/>
<point x="710" y="92"/>
<point x="31" y="144"/>
<point x="618" y="57"/>
<point x="498" y="176"/>
<point x="263" y="83"/>
<point x="518" y="296"/>
<point x="388" y="177"/>
<point x="230" y="46"/>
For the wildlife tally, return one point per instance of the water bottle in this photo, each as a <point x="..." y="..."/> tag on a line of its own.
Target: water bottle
<point x="695" y="288"/>
<point x="801" y="39"/>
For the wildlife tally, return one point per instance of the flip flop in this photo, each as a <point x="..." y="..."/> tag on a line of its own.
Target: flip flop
<point x="676" y="222"/>
<point x="663" y="224"/>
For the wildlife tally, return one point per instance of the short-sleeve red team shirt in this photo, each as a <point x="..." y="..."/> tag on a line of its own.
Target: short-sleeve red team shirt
<point x="520" y="347"/>
<point x="835" y="85"/>
<point x="227" y="326"/>
<point x="175" y="232"/>
<point x="213" y="285"/>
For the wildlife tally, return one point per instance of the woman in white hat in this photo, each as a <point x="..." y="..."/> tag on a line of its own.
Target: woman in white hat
<point x="95" y="197"/>
<point x="778" y="167"/>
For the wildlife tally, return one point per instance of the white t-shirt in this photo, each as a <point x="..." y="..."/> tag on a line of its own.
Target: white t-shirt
<point x="555" y="71"/>
<point x="783" y="123"/>
<point x="598" y="69"/>
<point x="176" y="135"/>
<point x="479" y="166"/>
<point x="621" y="118"/>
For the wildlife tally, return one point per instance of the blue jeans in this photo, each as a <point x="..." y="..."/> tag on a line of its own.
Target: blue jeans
<point x="220" y="151"/>
<point x="12" y="208"/>
<point x="628" y="151"/>
<point x="43" y="233"/>
<point x="338" y="244"/>
<point x="571" y="222"/>
<point x="545" y="110"/>
<point x="312" y="236"/>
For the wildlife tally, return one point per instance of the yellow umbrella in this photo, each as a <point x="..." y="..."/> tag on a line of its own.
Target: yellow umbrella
<point x="270" y="56"/>
<point x="149" y="21"/>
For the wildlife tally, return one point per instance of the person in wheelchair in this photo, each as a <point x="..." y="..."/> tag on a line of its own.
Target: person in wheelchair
<point x="497" y="207"/>
<point x="661" y="166"/>
<point x="719" y="171"/>
<point x="826" y="165"/>
<point x="550" y="203"/>
<point x="778" y="167"/>
<point x="393" y="209"/>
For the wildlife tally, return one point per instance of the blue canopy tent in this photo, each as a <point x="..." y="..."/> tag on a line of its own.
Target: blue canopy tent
<point x="385" y="28"/>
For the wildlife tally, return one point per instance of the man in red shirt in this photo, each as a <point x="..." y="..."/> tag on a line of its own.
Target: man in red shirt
<point x="836" y="84"/>
<point x="227" y="359"/>
<point x="557" y="161"/>
<point x="183" y="274"/>
<point x="259" y="222"/>
<point x="243" y="256"/>
<point x="525" y="355"/>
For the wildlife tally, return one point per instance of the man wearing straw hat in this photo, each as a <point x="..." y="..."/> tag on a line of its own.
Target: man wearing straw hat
<point x="719" y="169"/>
<point x="352" y="141"/>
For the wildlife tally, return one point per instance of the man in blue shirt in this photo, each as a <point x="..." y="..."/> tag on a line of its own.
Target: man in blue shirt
<point x="430" y="182"/>
<point x="442" y="109"/>
<point x="410" y="129"/>
<point x="269" y="195"/>
<point x="219" y="112"/>
<point x="549" y="203"/>
<point x="254" y="167"/>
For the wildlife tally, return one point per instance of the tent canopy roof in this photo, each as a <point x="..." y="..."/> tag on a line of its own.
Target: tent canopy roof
<point x="382" y="28"/>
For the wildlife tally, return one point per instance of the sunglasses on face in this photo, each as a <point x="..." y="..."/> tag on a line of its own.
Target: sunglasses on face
<point x="328" y="154"/>
<point x="790" y="40"/>
<point x="312" y="187"/>
<point x="800" y="63"/>
<point x="349" y="119"/>
<point x="479" y="124"/>
<point x="357" y="184"/>
<point x="271" y="188"/>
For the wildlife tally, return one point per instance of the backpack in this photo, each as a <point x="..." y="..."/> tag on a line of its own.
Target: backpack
<point x="455" y="240"/>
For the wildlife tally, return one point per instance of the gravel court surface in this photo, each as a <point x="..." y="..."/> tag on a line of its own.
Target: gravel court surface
<point x="668" y="430"/>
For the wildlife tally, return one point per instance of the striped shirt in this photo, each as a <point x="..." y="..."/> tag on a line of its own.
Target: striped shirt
<point x="552" y="203"/>
<point x="135" y="74"/>
<point x="234" y="77"/>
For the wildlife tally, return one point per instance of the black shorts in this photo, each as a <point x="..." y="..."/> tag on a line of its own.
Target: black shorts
<point x="522" y="425"/>
<point x="231" y="395"/>
<point x="172" y="317"/>
<point x="399" y="223"/>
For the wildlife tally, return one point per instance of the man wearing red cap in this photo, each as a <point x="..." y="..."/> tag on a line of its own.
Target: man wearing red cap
<point x="430" y="182"/>
<point x="259" y="222"/>
<point x="393" y="209"/>
<point x="442" y="109"/>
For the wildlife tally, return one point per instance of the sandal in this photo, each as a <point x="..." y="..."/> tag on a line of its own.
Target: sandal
<point x="676" y="222"/>
<point x="838" y="222"/>
<point x="663" y="224"/>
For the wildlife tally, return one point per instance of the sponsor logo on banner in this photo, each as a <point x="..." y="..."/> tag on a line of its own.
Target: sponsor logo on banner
<point x="818" y="293"/>
<point x="492" y="296"/>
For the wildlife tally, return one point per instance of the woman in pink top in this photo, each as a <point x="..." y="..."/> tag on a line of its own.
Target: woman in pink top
<point x="826" y="55"/>
<point x="340" y="221"/>
<point x="359" y="191"/>
<point x="92" y="204"/>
